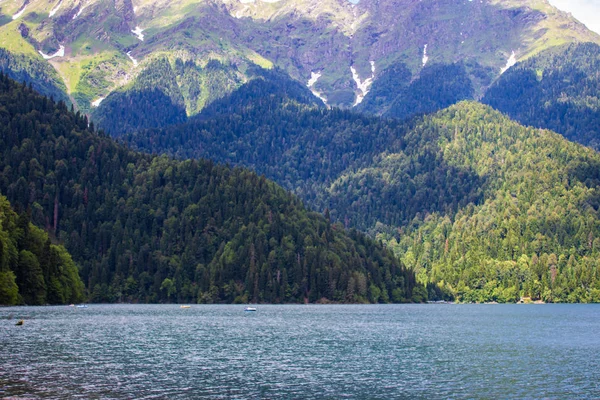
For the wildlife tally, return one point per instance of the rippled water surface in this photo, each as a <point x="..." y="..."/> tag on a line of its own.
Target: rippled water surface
<point x="386" y="351"/>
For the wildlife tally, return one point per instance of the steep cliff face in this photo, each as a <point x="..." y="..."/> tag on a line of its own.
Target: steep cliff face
<point x="340" y="48"/>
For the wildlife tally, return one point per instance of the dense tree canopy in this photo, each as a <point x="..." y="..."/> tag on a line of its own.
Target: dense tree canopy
<point x="437" y="86"/>
<point x="165" y="93"/>
<point x="271" y="126"/>
<point x="536" y="232"/>
<point x="557" y="89"/>
<point x="418" y="183"/>
<point x="153" y="229"/>
<point x="397" y="93"/>
<point x="32" y="269"/>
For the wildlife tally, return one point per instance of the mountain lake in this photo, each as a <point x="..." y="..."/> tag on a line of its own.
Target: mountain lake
<point x="301" y="351"/>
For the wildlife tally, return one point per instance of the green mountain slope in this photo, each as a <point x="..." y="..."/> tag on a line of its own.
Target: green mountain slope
<point x="558" y="89"/>
<point x="340" y="48"/>
<point x="33" y="271"/>
<point x="269" y="125"/>
<point x="463" y="196"/>
<point x="534" y="232"/>
<point x="154" y="100"/>
<point x="153" y="229"/>
<point x="437" y="87"/>
<point x="42" y="77"/>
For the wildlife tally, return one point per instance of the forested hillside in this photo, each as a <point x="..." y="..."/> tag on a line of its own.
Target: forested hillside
<point x="33" y="270"/>
<point x="155" y="100"/>
<point x="164" y="95"/>
<point x="153" y="229"/>
<point x="26" y="68"/>
<point x="474" y="202"/>
<point x="272" y="129"/>
<point x="398" y="94"/>
<point x="558" y="89"/>
<point x="536" y="229"/>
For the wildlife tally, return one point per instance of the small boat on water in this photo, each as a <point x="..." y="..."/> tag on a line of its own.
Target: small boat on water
<point x="250" y="309"/>
<point x="184" y="306"/>
<point x="20" y="322"/>
<point x="81" y="306"/>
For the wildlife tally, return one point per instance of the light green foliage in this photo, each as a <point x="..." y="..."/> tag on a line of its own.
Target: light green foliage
<point x="534" y="234"/>
<point x="34" y="71"/>
<point x="9" y="291"/>
<point x="32" y="271"/>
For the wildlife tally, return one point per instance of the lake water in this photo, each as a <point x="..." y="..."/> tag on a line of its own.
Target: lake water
<point x="296" y="351"/>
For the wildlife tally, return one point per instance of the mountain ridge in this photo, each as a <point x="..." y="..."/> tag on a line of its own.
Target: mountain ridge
<point x="100" y="47"/>
<point x="557" y="89"/>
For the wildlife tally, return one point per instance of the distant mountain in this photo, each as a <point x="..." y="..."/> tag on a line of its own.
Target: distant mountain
<point x="558" y="89"/>
<point x="342" y="50"/>
<point x="152" y="229"/>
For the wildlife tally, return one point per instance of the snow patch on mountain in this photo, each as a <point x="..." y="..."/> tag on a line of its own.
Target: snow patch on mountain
<point x="135" y="62"/>
<point x="511" y="61"/>
<point x="138" y="33"/>
<point x="55" y="9"/>
<point x="59" y="53"/>
<point x="96" y="103"/>
<point x="363" y="86"/>
<point x="425" y="57"/>
<point x="243" y="12"/>
<point x="314" y="77"/>
<point x="21" y="11"/>
<point x="81" y="7"/>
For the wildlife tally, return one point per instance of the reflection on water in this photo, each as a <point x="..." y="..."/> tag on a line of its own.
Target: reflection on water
<point x="427" y="351"/>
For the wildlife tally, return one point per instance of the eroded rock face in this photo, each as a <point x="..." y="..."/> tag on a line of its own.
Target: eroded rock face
<point x="303" y="36"/>
<point x="125" y="9"/>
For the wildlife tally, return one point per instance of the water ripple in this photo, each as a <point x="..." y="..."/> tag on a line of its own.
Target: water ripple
<point x="376" y="352"/>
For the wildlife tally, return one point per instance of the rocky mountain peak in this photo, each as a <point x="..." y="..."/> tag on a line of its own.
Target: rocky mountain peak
<point x="337" y="47"/>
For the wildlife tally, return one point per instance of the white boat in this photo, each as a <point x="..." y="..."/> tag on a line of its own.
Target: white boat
<point x="81" y="306"/>
<point x="250" y="309"/>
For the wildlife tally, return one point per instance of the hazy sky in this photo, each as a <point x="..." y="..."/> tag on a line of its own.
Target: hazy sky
<point x="587" y="11"/>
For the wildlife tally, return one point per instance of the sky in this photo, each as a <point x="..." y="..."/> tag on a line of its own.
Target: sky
<point x="587" y="11"/>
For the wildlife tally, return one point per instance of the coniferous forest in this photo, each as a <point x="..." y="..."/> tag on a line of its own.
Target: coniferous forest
<point x="151" y="229"/>
<point x="557" y="89"/>
<point x="480" y="207"/>
<point x="32" y="269"/>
